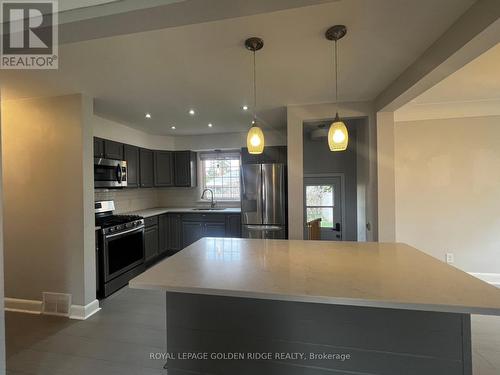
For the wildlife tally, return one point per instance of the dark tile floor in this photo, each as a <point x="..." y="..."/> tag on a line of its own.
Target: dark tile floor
<point x="131" y="325"/>
<point x="117" y="340"/>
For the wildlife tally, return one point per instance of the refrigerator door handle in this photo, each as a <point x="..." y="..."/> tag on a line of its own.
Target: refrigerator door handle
<point x="270" y="228"/>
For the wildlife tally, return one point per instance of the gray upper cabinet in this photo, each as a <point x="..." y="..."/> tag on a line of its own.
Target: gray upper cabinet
<point x="185" y="168"/>
<point x="148" y="168"/>
<point x="113" y="150"/>
<point x="131" y="156"/>
<point x="98" y="148"/>
<point x="146" y="174"/>
<point x="164" y="168"/>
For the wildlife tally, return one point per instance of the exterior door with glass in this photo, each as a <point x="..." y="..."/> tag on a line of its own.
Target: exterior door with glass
<point x="323" y="199"/>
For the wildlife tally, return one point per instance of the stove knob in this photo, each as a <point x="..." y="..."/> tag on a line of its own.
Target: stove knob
<point x="111" y="229"/>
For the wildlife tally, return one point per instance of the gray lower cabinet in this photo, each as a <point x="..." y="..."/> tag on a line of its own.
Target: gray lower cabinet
<point x="192" y="231"/>
<point x="196" y="226"/>
<point x="163" y="233"/>
<point x="174" y="236"/>
<point x="214" y="230"/>
<point x="233" y="225"/>
<point x="151" y="245"/>
<point x="169" y="233"/>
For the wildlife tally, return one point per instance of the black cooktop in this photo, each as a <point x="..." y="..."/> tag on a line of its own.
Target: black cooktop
<point x="108" y="221"/>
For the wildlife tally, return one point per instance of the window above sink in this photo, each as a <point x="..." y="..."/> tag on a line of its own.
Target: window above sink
<point x="220" y="172"/>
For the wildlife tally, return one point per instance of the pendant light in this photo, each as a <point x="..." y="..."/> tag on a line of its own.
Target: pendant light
<point x="255" y="136"/>
<point x="338" y="136"/>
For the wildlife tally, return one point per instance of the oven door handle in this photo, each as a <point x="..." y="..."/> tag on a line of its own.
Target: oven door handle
<point x="136" y="229"/>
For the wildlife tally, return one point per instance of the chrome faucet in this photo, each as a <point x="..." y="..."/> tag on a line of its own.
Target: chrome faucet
<point x="212" y="202"/>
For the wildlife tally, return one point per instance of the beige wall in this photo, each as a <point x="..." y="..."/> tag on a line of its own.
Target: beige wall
<point x="48" y="218"/>
<point x="108" y="129"/>
<point x="2" y="312"/>
<point x="448" y="189"/>
<point x="273" y="137"/>
<point x="366" y="161"/>
<point x="385" y="177"/>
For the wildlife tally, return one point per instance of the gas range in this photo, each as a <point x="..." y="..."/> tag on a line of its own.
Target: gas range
<point x="120" y="248"/>
<point x="118" y="223"/>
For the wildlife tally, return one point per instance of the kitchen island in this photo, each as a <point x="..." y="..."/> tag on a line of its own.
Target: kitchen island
<point x="240" y="306"/>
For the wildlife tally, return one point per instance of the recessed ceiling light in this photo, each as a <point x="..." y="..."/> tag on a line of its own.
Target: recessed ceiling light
<point x="147" y="115"/>
<point x="210" y="125"/>
<point x="173" y="127"/>
<point x="245" y="108"/>
<point x="192" y="112"/>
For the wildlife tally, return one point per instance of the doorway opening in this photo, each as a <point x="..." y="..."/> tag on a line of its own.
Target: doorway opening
<point x="323" y="199"/>
<point x="335" y="182"/>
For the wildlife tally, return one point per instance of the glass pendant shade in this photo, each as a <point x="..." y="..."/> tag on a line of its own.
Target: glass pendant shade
<point x="255" y="140"/>
<point x="338" y="136"/>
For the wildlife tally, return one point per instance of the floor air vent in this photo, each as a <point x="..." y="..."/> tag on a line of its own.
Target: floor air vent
<point x="56" y="304"/>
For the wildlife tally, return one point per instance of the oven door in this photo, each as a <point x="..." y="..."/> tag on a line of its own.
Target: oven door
<point x="121" y="252"/>
<point x="110" y="173"/>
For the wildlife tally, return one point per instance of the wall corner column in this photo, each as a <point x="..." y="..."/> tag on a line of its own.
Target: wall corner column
<point x="386" y="177"/>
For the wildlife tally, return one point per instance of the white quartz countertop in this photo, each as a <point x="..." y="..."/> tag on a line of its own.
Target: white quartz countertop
<point x="163" y="210"/>
<point x="389" y="275"/>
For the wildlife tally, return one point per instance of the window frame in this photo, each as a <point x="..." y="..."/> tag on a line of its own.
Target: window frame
<point x="218" y="155"/>
<point x="332" y="206"/>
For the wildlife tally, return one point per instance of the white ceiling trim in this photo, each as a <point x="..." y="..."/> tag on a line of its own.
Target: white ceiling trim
<point x="445" y="110"/>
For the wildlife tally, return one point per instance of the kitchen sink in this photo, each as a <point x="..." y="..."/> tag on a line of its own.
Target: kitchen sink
<point x="209" y="209"/>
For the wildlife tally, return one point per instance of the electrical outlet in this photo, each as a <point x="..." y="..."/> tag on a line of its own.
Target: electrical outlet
<point x="450" y="258"/>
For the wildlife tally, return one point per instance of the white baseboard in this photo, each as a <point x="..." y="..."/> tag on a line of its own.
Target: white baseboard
<point x="27" y="306"/>
<point x="80" y="312"/>
<point x="490" y="278"/>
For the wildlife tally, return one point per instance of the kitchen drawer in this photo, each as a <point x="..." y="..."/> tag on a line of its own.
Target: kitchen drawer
<point x="150" y="221"/>
<point x="204" y="217"/>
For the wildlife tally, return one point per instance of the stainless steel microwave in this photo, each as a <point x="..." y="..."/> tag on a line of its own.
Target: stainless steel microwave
<point x="110" y="173"/>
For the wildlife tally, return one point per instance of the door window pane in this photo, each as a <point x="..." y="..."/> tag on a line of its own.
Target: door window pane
<point x="320" y="204"/>
<point x="323" y="213"/>
<point x="319" y="195"/>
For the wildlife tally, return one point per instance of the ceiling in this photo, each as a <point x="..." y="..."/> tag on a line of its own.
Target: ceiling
<point x="477" y="81"/>
<point x="205" y="66"/>
<point x="473" y="90"/>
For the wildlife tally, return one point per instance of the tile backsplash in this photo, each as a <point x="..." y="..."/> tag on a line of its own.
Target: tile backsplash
<point x="186" y="197"/>
<point x="127" y="200"/>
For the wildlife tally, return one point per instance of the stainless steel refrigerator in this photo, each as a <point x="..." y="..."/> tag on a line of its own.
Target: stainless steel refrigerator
<point x="263" y="201"/>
